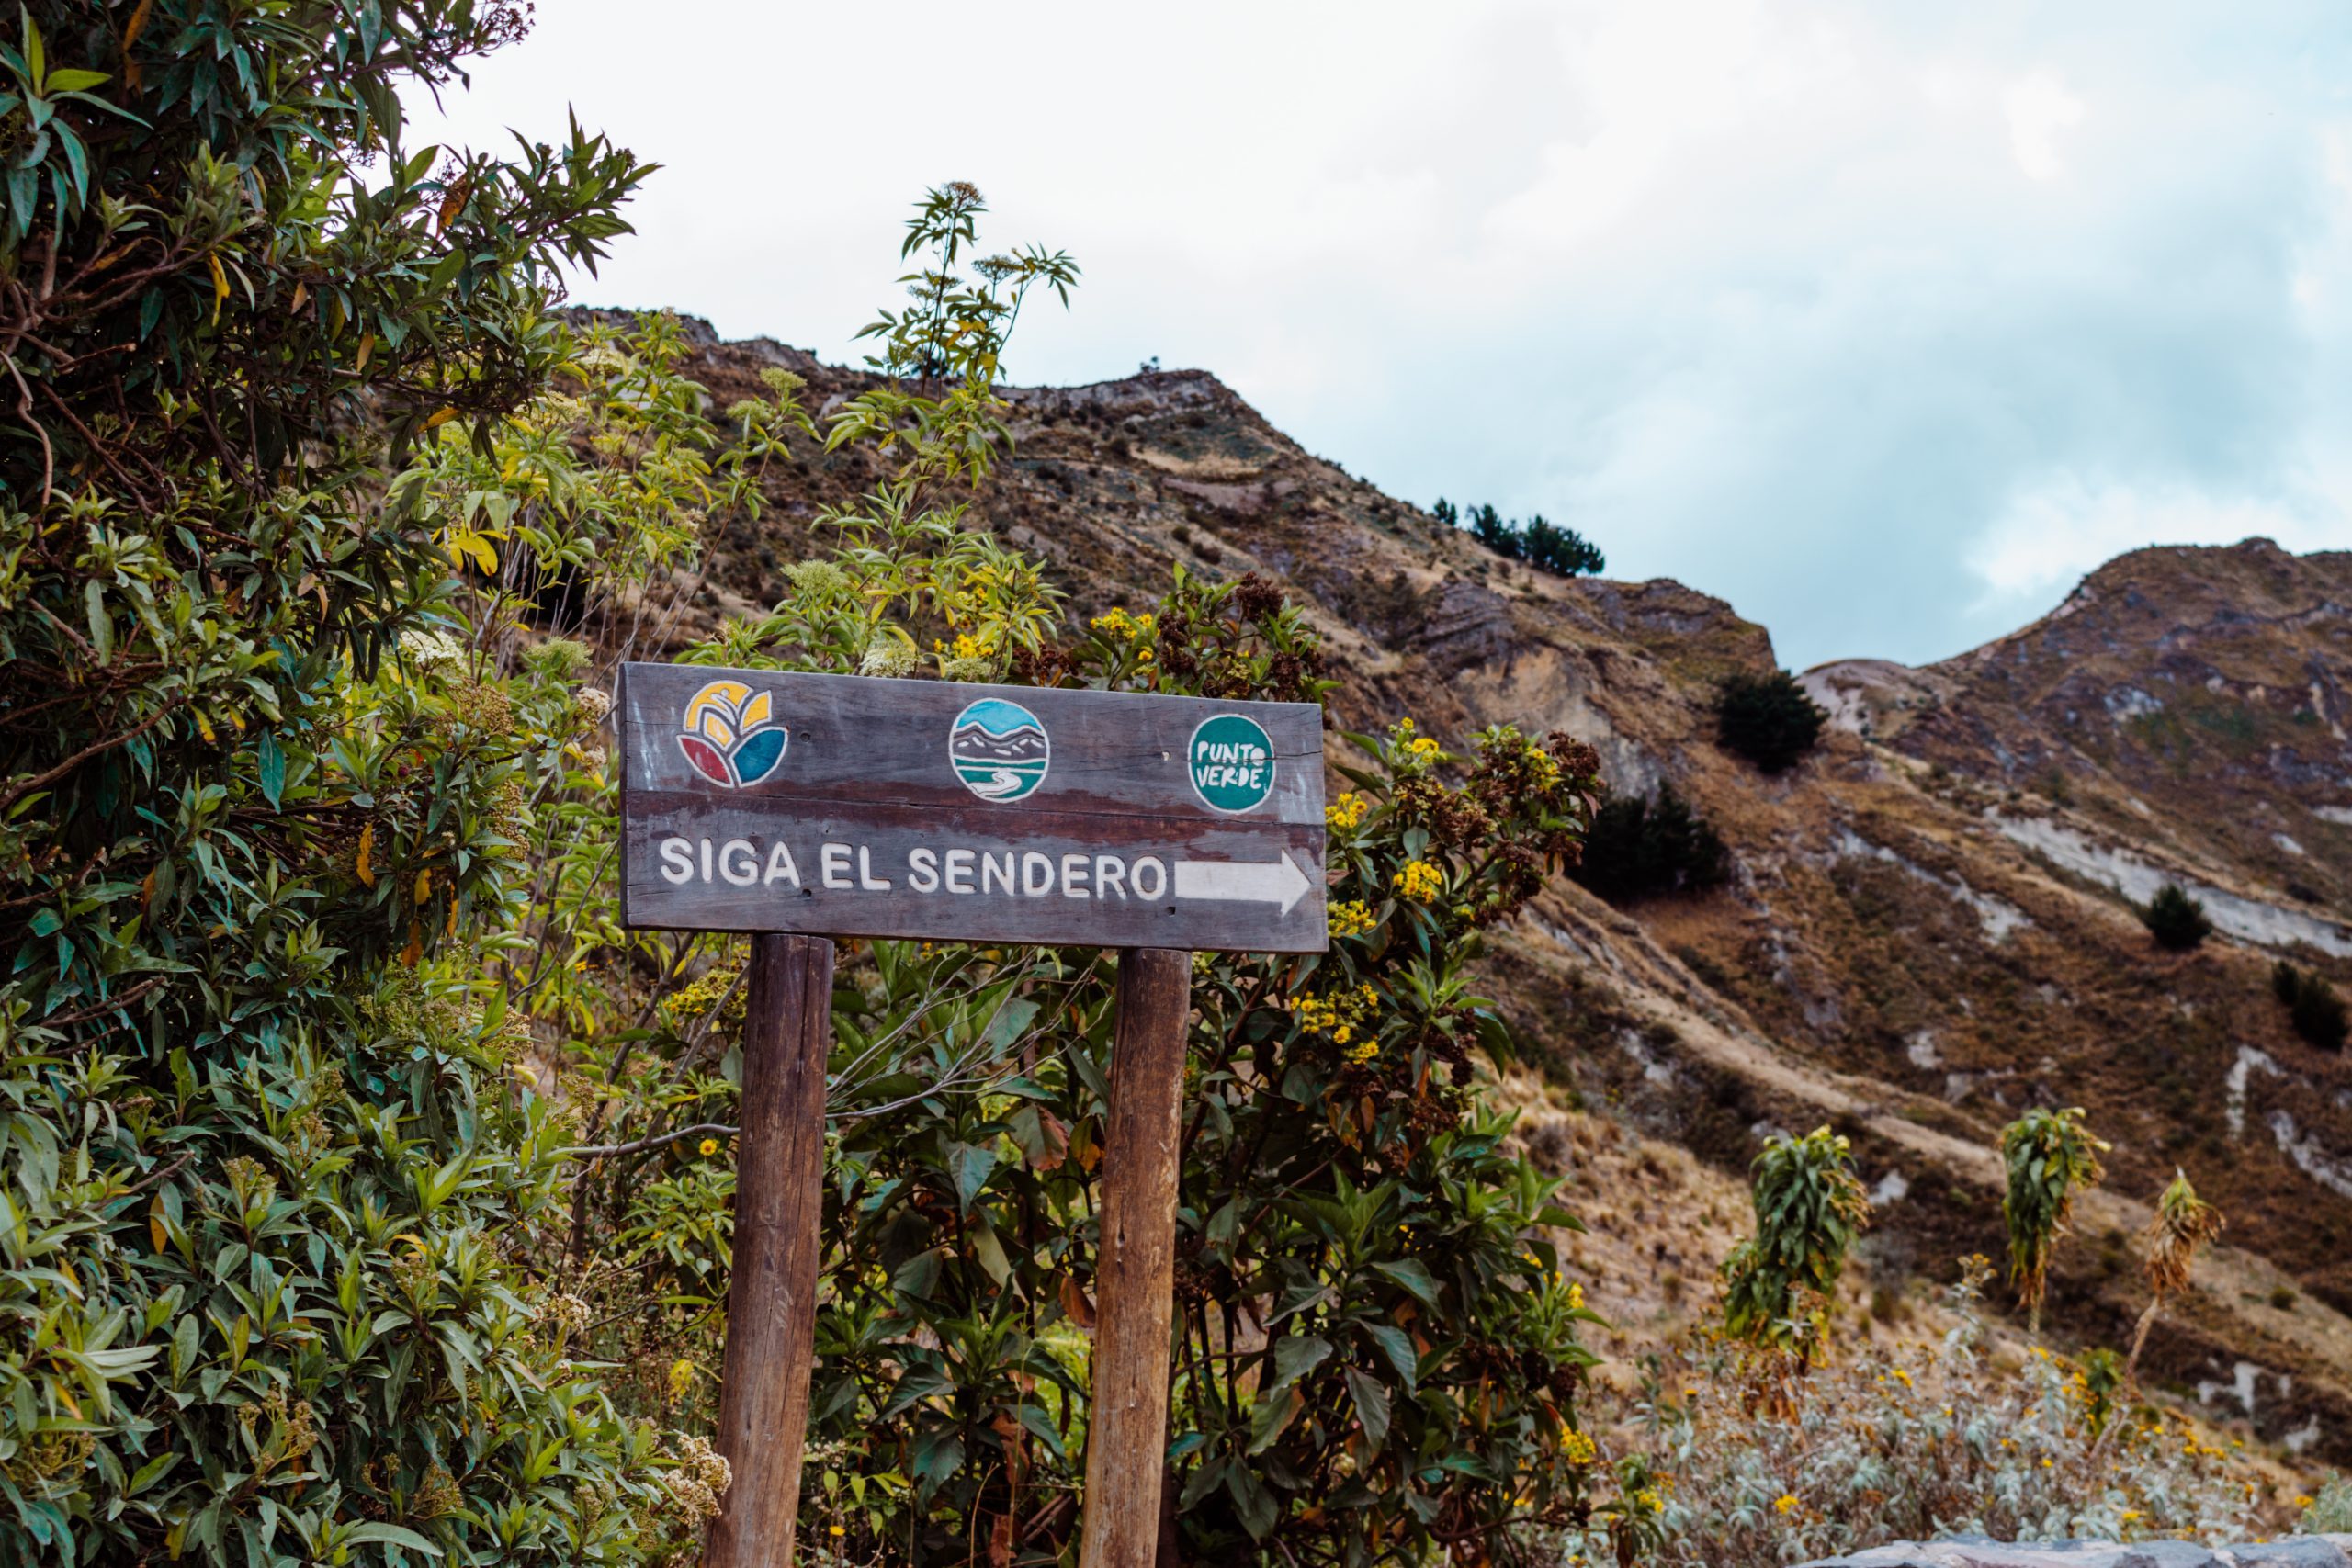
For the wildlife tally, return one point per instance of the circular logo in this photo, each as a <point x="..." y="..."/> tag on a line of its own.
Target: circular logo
<point x="998" y="750"/>
<point x="1231" y="761"/>
<point x="730" y="735"/>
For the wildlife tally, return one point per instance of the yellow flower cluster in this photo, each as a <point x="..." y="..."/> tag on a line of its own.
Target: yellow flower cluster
<point x="1350" y="916"/>
<point x="1419" y="880"/>
<point x="1786" y="1501"/>
<point x="1577" y="1447"/>
<point x="1338" y="1015"/>
<point x="1118" y="623"/>
<point x="1413" y="751"/>
<point x="1347" y="811"/>
<point x="1576" y="1296"/>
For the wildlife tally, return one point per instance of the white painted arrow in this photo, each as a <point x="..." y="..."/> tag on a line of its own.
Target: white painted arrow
<point x="1277" y="882"/>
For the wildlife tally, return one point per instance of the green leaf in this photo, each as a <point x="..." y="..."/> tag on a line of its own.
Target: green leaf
<point x="1414" y="1275"/>
<point x="273" y="769"/>
<point x="1371" y="1401"/>
<point x="390" y="1535"/>
<point x="1273" y="1413"/>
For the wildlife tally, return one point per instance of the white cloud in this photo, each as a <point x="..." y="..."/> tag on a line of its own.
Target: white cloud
<point x="1750" y="291"/>
<point x="2048" y="537"/>
<point x="2039" y="107"/>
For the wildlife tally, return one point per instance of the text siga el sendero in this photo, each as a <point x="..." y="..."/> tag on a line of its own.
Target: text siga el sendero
<point x="851" y="805"/>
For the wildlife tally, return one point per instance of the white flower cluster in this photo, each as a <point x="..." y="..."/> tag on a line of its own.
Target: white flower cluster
<point x="594" y="704"/>
<point x="888" y="657"/>
<point x="430" y="650"/>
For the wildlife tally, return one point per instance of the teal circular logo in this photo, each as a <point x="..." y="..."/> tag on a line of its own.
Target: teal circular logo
<point x="1231" y="761"/>
<point x="998" y="750"/>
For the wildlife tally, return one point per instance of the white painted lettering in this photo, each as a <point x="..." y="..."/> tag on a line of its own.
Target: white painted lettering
<point x="780" y="864"/>
<point x="959" y="870"/>
<point x="1158" y="877"/>
<point x="739" y="862"/>
<point x="833" y="863"/>
<point x="923" y="871"/>
<point x="1036" y="874"/>
<point x="865" y="877"/>
<point x="1110" y="873"/>
<point x="705" y="860"/>
<point x="1074" y="877"/>
<point x="992" y="874"/>
<point x="677" y="860"/>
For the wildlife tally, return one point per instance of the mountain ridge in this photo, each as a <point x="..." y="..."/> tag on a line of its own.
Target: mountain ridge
<point x="1928" y="925"/>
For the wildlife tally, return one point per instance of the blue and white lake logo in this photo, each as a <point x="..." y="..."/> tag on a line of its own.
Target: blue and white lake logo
<point x="998" y="750"/>
<point x="1231" y="761"/>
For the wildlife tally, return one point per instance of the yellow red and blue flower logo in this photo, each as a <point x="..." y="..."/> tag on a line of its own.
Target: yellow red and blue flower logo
<point x="732" y="735"/>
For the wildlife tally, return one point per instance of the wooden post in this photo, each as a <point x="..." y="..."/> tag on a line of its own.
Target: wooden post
<point x="1135" y="1263"/>
<point x="779" y="1201"/>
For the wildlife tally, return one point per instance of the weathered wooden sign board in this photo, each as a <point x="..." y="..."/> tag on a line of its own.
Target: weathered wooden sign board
<point x="849" y="806"/>
<point x="824" y="806"/>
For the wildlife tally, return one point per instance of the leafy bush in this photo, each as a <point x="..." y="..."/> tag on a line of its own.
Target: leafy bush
<point x="2176" y="921"/>
<point x="2312" y="1006"/>
<point x="2330" y="1512"/>
<point x="1923" y="1441"/>
<point x="1767" y="719"/>
<point x="270" y="1175"/>
<point x="2050" y="1159"/>
<point x="1810" y="1209"/>
<point x="1539" y="542"/>
<point x="1642" y="848"/>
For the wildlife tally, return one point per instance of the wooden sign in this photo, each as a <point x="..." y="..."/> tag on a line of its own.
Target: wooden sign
<point x="843" y="805"/>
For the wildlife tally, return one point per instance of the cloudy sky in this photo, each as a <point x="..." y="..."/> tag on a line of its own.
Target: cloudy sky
<point x="1883" y="321"/>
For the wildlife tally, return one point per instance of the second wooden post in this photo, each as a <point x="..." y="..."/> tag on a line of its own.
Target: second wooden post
<point x="1135" y="1261"/>
<point x="779" y="1201"/>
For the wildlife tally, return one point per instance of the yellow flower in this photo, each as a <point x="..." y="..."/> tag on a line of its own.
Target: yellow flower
<point x="1423" y="749"/>
<point x="1577" y="1446"/>
<point x="1575" y="1303"/>
<point x="1349" y="917"/>
<point x="1364" y="1050"/>
<point x="833" y="1530"/>
<point x="1347" y="811"/>
<point x="2303" y="1501"/>
<point x="710" y="1147"/>
<point x="1343" y="1034"/>
<point x="1785" y="1502"/>
<point x="1419" y="880"/>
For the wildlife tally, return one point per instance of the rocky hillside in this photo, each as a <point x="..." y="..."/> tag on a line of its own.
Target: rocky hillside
<point x="1930" y="926"/>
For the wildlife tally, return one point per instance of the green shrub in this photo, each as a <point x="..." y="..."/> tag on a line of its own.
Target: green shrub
<point x="2330" y="1511"/>
<point x="1767" y="719"/>
<point x="1641" y="849"/>
<point x="1810" y="1209"/>
<point x="2176" y="921"/>
<point x="2312" y="1006"/>
<point x="2050" y="1159"/>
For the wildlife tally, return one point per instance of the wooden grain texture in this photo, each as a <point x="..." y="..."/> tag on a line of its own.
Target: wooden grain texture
<point x="1137" y="855"/>
<point x="772" y="1300"/>
<point x="1135" y="1263"/>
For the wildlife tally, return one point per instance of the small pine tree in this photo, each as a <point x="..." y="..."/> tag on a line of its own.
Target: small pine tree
<point x="1563" y="552"/>
<point x="1767" y="719"/>
<point x="1447" y="512"/>
<point x="1640" y="849"/>
<point x="2312" y="1006"/>
<point x="2176" y="921"/>
<point x="1488" y="527"/>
